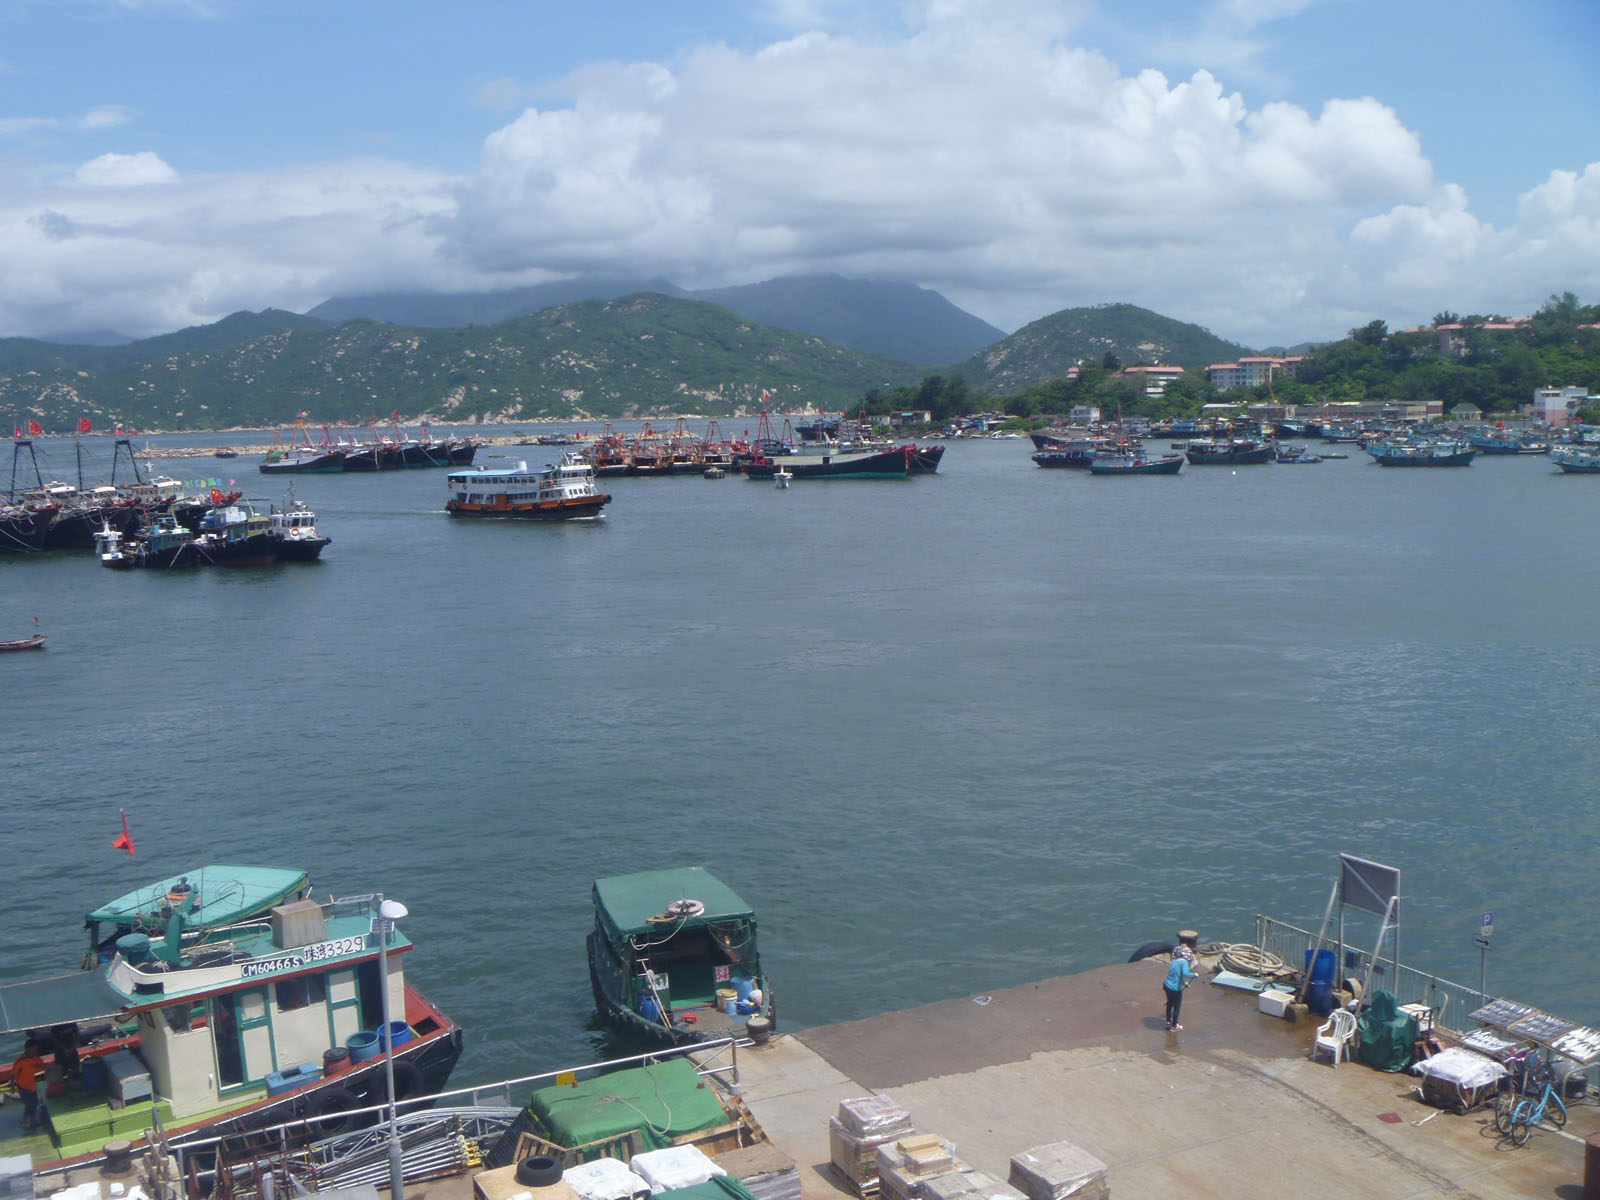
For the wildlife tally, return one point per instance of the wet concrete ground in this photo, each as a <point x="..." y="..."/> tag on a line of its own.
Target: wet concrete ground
<point x="1230" y="1107"/>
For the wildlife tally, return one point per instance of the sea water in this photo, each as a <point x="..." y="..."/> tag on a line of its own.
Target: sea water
<point x="946" y="734"/>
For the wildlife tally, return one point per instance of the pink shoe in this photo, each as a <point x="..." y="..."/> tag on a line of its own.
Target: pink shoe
<point x="1175" y="1028"/>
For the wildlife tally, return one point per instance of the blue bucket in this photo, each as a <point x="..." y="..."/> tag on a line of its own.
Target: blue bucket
<point x="362" y="1046"/>
<point x="397" y="1031"/>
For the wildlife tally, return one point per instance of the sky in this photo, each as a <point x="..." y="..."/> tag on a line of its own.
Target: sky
<point x="1278" y="171"/>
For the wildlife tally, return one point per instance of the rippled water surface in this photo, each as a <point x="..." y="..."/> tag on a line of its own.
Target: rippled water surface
<point x="946" y="735"/>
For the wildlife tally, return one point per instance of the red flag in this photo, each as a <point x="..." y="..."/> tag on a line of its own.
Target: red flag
<point x="16" y="431"/>
<point x="124" y="840"/>
<point x="35" y="429"/>
<point x="83" y="425"/>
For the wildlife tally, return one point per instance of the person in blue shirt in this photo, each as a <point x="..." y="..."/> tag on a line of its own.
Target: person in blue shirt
<point x="1178" y="976"/>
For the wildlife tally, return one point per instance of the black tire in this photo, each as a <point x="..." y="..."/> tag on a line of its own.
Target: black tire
<point x="1519" y="1127"/>
<point x="1555" y="1113"/>
<point x="538" y="1170"/>
<point x="1150" y="950"/>
<point x="334" y="1107"/>
<point x="408" y="1082"/>
<point x="1504" y="1105"/>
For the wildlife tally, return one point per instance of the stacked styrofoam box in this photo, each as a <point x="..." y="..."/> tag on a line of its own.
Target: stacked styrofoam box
<point x="967" y="1184"/>
<point x="766" y="1171"/>
<point x="674" y="1167"/>
<point x="605" y="1179"/>
<point x="1058" y="1171"/>
<point x="16" y="1178"/>
<point x="903" y="1165"/>
<point x="854" y="1135"/>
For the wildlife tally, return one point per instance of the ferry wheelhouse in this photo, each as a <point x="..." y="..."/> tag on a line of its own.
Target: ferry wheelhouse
<point x="219" y="1002"/>
<point x="563" y="492"/>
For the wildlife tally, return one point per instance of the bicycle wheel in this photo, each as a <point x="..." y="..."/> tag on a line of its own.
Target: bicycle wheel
<point x="1519" y="1124"/>
<point x="1504" y="1105"/>
<point x="1556" y="1112"/>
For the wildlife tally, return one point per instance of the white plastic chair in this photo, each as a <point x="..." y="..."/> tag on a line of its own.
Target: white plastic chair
<point x="1335" y="1035"/>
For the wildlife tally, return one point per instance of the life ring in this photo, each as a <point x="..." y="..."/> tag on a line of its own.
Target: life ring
<point x="334" y="1106"/>
<point x="538" y="1170"/>
<point x="685" y="908"/>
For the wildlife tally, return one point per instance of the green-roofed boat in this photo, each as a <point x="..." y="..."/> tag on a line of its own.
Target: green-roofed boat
<point x="673" y="957"/>
<point x="218" y="1002"/>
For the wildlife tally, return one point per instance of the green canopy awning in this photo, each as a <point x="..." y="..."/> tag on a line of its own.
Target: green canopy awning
<point x="40" y="1003"/>
<point x="629" y="901"/>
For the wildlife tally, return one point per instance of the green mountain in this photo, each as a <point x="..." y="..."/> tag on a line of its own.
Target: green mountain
<point x="1045" y="349"/>
<point x="900" y="320"/>
<point x="895" y="320"/>
<point x="640" y="355"/>
<point x="443" y="310"/>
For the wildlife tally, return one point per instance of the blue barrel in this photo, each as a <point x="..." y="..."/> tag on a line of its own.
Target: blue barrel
<point x="363" y="1045"/>
<point x="1319" y="991"/>
<point x="96" y="1076"/>
<point x="742" y="985"/>
<point x="396" y="1031"/>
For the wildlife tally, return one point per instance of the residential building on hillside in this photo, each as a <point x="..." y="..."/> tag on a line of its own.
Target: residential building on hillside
<point x="1152" y="380"/>
<point x="1252" y="371"/>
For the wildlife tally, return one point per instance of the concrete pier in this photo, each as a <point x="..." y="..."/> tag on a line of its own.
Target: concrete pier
<point x="1231" y="1107"/>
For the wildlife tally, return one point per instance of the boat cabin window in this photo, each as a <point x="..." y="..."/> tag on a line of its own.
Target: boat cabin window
<point x="301" y="991"/>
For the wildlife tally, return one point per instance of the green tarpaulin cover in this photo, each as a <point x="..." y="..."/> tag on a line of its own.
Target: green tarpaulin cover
<point x="723" y="1187"/>
<point x="663" y="1102"/>
<point x="1386" y="1033"/>
<point x="629" y="901"/>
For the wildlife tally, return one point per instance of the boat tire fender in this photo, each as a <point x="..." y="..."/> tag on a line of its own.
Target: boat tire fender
<point x="1150" y="950"/>
<point x="408" y="1082"/>
<point x="538" y="1170"/>
<point x="334" y="1105"/>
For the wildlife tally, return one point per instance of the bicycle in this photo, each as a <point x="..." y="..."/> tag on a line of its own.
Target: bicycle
<point x="1515" y="1088"/>
<point x="1530" y="1112"/>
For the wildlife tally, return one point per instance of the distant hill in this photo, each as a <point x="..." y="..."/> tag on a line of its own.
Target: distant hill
<point x="895" y="320"/>
<point x="640" y="355"/>
<point x="439" y="310"/>
<point x="900" y="320"/>
<point x="1045" y="349"/>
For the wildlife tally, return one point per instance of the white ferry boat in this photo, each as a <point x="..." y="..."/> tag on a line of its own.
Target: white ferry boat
<point x="564" y="492"/>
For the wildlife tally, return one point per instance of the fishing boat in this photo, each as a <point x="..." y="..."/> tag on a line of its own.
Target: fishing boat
<point x="1135" y="464"/>
<point x="1237" y="451"/>
<point x="36" y="642"/>
<point x="923" y="460"/>
<point x="162" y="544"/>
<point x="1071" y="453"/>
<point x="1297" y="454"/>
<point x="1577" y="460"/>
<point x="1434" y="452"/>
<point x="293" y="530"/>
<point x="220" y="1001"/>
<point x="673" y="956"/>
<point x="236" y="535"/>
<point x="893" y="463"/>
<point x="564" y="492"/>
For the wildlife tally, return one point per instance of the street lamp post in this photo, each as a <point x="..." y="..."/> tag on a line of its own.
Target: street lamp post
<point x="389" y="911"/>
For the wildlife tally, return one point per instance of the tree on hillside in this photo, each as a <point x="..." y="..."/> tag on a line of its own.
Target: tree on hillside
<point x="1371" y="334"/>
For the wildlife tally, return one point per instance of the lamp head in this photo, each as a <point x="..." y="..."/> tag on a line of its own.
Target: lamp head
<point x="392" y="910"/>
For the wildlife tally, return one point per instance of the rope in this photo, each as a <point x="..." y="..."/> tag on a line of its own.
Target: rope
<point x="1244" y="959"/>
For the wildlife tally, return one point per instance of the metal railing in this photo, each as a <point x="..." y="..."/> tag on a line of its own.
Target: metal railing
<point x="457" y="1102"/>
<point x="1450" y="1001"/>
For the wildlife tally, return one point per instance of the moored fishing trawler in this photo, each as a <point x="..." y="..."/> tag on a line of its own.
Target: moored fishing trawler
<point x="221" y="1001"/>
<point x="673" y="956"/>
<point x="564" y="492"/>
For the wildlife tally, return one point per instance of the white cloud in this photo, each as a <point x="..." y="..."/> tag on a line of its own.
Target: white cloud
<point x="126" y="170"/>
<point x="106" y="117"/>
<point x="982" y="153"/>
